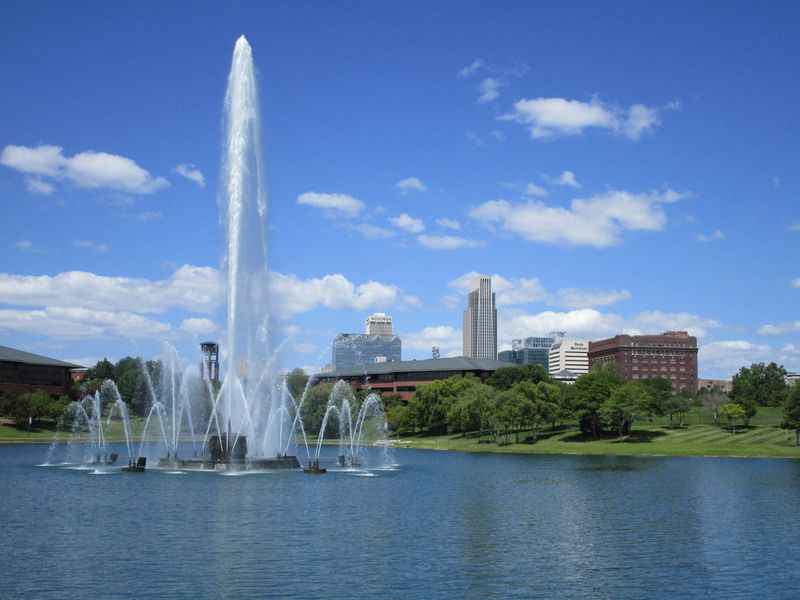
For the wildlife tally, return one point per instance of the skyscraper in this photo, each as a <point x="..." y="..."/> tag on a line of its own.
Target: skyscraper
<point x="379" y="324"/>
<point x="480" y="322"/>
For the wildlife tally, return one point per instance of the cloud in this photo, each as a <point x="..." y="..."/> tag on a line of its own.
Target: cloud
<point x="408" y="223"/>
<point x="150" y="215"/>
<point x="197" y="289"/>
<point x="489" y="90"/>
<point x="568" y="179"/>
<point x="575" y="298"/>
<point x="24" y="246"/>
<point x="598" y="221"/>
<point x="72" y="322"/>
<point x="292" y="296"/>
<point x="727" y="357"/>
<point x="198" y="326"/>
<point x="86" y="169"/>
<point x="334" y="204"/>
<point x="411" y="184"/>
<point x="535" y="190"/>
<point x="372" y="232"/>
<point x="548" y="117"/>
<point x="497" y="134"/>
<point x="470" y="69"/>
<point x="780" y="328"/>
<point x="507" y="291"/>
<point x="794" y="226"/>
<point x="448" y="339"/>
<point x="446" y="242"/>
<point x="796" y="283"/>
<point x="474" y="138"/>
<point x="448" y="223"/>
<point x="90" y="245"/>
<point x="192" y="173"/>
<point x="38" y="186"/>
<point x="714" y="236"/>
<point x="656" y="321"/>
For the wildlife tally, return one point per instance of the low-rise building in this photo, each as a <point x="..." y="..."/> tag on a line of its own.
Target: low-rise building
<point x="792" y="378"/>
<point x="525" y="356"/>
<point x="720" y="385"/>
<point x="402" y="378"/>
<point x="672" y="355"/>
<point x="22" y="372"/>
<point x="570" y="355"/>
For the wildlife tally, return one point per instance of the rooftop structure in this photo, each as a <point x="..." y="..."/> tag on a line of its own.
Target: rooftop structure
<point x="378" y="324"/>
<point x="402" y="378"/>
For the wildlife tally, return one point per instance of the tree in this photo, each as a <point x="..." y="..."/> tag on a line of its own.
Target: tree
<point x="759" y="384"/>
<point x="733" y="412"/>
<point x="296" y="381"/>
<point x="626" y="403"/>
<point x="464" y="413"/>
<point x="660" y="390"/>
<point x="504" y="378"/>
<point x="677" y="404"/>
<point x="508" y="414"/>
<point x="432" y="402"/>
<point x="537" y="405"/>
<point x="104" y="369"/>
<point x="791" y="412"/>
<point x="591" y="391"/>
<point x="314" y="407"/>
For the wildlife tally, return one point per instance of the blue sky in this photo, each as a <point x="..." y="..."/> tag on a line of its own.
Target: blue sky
<point x="619" y="168"/>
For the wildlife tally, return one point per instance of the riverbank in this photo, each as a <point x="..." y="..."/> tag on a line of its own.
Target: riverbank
<point x="692" y="440"/>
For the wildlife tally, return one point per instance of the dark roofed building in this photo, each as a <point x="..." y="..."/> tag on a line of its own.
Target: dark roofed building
<point x="402" y="378"/>
<point x="22" y="372"/>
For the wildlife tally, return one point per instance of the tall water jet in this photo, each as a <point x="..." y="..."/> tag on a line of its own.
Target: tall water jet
<point x="243" y="210"/>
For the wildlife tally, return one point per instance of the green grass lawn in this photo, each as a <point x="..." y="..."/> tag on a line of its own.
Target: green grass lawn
<point x="700" y="437"/>
<point x="45" y="434"/>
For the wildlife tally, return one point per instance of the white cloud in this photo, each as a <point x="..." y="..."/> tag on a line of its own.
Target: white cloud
<point x="198" y="326"/>
<point x="150" y="215"/>
<point x="191" y="288"/>
<point x="535" y="190"/>
<point x="80" y="323"/>
<point x="780" y="328"/>
<point x="411" y="184"/>
<point x="90" y="245"/>
<point x="575" y="298"/>
<point x="657" y="321"/>
<point x="598" y="221"/>
<point x="192" y="173"/>
<point x="448" y="339"/>
<point x="24" y="246"/>
<point x="715" y="235"/>
<point x="448" y="223"/>
<point x="335" y="204"/>
<point x="408" y="223"/>
<point x="446" y="242"/>
<point x="372" y="232"/>
<point x="489" y="90"/>
<point x="726" y="357"/>
<point x="796" y="283"/>
<point x="292" y="296"/>
<point x="568" y="179"/>
<point x="86" y="169"/>
<point x="470" y="69"/>
<point x="794" y="226"/>
<point x="508" y="291"/>
<point x="39" y="186"/>
<point x="546" y="117"/>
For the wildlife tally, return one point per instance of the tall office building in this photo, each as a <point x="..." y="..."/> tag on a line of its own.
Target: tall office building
<point x="530" y="351"/>
<point x="569" y="355"/>
<point x="356" y="350"/>
<point x="379" y="324"/>
<point x="480" y="322"/>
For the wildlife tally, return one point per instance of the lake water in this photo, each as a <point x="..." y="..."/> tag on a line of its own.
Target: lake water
<point x="443" y="525"/>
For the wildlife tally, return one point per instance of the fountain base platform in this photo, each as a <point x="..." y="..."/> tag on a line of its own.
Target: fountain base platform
<point x="206" y="464"/>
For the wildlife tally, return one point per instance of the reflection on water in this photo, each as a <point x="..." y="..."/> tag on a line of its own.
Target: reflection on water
<point x="438" y="525"/>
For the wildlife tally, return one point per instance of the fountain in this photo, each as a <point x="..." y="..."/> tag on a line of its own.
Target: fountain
<point x="249" y="418"/>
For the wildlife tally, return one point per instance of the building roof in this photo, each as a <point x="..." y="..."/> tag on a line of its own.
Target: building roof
<point x="18" y="356"/>
<point x="458" y="363"/>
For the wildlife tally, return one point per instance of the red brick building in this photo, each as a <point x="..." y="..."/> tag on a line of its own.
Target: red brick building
<point x="22" y="372"/>
<point x="403" y="377"/>
<point x="672" y="355"/>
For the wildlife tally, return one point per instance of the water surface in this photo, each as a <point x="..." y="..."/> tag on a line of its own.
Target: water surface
<point x="443" y="525"/>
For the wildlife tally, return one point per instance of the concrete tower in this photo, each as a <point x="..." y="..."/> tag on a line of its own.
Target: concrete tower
<point x="480" y="322"/>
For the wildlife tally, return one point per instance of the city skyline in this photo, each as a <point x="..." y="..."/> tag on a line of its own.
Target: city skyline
<point x="638" y="192"/>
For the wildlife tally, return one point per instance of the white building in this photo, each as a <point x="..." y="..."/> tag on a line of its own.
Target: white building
<point x="480" y="322"/>
<point x="569" y="355"/>
<point x="379" y="324"/>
